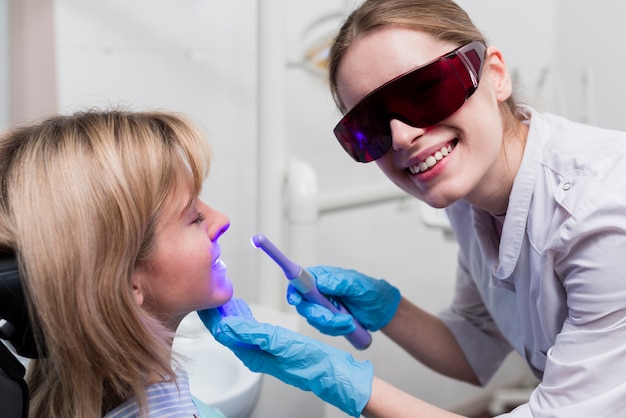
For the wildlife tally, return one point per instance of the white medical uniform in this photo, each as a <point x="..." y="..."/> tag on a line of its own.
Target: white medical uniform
<point x="553" y="285"/>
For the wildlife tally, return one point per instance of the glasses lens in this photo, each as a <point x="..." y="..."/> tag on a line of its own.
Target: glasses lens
<point x="427" y="96"/>
<point x="421" y="98"/>
<point x="363" y="133"/>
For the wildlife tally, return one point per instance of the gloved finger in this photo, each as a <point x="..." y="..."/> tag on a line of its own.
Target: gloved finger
<point x="251" y="356"/>
<point x="240" y="346"/>
<point x="324" y="320"/>
<point x="210" y="318"/>
<point x="268" y="337"/>
<point x="234" y="307"/>
<point x="320" y="317"/>
<point x="335" y="281"/>
<point x="293" y="296"/>
<point x="261" y="347"/>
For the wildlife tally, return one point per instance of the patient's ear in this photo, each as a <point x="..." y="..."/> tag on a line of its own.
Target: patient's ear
<point x="138" y="281"/>
<point x="138" y="295"/>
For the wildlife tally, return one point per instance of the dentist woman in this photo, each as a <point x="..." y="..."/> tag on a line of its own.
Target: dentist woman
<point x="537" y="204"/>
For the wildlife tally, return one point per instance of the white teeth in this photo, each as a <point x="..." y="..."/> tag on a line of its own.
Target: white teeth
<point x="431" y="160"/>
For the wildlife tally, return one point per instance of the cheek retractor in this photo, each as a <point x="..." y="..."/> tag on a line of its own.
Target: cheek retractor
<point x="305" y="284"/>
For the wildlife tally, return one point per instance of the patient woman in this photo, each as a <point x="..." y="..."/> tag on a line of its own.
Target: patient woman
<point x="101" y="209"/>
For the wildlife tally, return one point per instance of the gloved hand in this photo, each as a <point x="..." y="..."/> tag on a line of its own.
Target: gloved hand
<point x="372" y="302"/>
<point x="333" y="375"/>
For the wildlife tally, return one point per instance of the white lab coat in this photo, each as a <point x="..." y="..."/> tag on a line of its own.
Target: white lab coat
<point x="553" y="287"/>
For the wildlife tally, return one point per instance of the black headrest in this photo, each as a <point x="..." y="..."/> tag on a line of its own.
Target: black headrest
<point x="15" y="325"/>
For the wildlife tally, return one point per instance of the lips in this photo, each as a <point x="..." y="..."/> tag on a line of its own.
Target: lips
<point x="218" y="265"/>
<point x="432" y="160"/>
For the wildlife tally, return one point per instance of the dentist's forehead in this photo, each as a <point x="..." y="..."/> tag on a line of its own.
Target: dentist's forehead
<point x="383" y="55"/>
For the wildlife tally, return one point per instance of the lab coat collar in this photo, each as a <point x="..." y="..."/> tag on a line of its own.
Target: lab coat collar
<point x="514" y="229"/>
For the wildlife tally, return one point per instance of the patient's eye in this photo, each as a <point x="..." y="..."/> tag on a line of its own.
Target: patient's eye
<point x="200" y="218"/>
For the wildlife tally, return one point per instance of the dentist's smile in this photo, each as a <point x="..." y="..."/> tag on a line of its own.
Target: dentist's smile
<point x="432" y="159"/>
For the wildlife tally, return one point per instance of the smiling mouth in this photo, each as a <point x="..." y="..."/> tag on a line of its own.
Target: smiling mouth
<point x="432" y="160"/>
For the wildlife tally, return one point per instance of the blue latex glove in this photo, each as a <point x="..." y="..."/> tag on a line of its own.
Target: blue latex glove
<point x="372" y="302"/>
<point x="333" y="375"/>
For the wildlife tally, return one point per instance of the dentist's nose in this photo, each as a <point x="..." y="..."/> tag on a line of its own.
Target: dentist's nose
<point x="403" y="135"/>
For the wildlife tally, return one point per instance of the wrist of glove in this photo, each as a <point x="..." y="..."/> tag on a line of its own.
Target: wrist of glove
<point x="333" y="375"/>
<point x="372" y="302"/>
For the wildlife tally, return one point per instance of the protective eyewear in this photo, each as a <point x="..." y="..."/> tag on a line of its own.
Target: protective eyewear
<point x="421" y="97"/>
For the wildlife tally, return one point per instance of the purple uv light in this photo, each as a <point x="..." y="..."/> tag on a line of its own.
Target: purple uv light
<point x="290" y="268"/>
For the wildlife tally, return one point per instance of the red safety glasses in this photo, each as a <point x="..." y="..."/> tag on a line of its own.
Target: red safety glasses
<point x="421" y="97"/>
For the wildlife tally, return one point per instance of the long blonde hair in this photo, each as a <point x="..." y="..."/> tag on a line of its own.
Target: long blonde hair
<point x="442" y="19"/>
<point x="81" y="195"/>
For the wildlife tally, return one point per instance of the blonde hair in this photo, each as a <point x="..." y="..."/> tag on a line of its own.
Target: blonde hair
<point x="442" y="19"/>
<point x="81" y="195"/>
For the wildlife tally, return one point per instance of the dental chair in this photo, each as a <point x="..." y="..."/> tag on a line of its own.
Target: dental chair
<point x="16" y="330"/>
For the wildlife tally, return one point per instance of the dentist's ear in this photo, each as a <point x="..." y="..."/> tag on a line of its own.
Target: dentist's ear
<point x="498" y="74"/>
